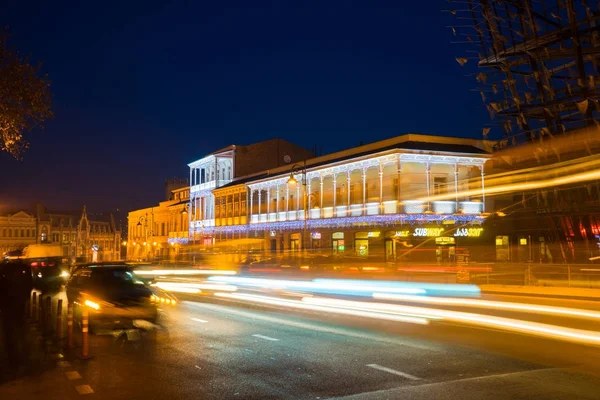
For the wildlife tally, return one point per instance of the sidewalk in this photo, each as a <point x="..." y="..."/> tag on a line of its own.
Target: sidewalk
<point x="541" y="291"/>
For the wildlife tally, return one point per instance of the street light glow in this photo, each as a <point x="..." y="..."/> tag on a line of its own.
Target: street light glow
<point x="292" y="180"/>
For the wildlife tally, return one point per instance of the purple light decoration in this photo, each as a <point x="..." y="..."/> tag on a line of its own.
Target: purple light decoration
<point x="178" y="240"/>
<point x="350" y="222"/>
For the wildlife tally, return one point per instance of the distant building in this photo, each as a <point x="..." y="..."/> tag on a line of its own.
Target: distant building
<point x="75" y="232"/>
<point x="80" y="235"/>
<point x="157" y="233"/>
<point x="17" y="230"/>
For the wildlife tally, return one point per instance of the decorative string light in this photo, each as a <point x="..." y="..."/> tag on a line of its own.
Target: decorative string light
<point x="350" y="222"/>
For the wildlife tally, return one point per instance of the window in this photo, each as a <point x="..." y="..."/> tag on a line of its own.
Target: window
<point x="440" y="185"/>
<point x="230" y="206"/>
<point x="9" y="232"/>
<point x="65" y="237"/>
<point x="202" y="175"/>
<point x="217" y="207"/>
<point x="243" y="204"/>
<point x="3" y="232"/>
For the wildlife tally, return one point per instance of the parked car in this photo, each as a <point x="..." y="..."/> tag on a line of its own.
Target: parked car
<point x="115" y="296"/>
<point x="48" y="266"/>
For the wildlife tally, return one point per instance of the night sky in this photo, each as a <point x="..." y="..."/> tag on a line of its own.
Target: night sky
<point x="141" y="88"/>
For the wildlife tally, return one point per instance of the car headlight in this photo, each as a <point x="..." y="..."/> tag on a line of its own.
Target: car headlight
<point x="92" y="304"/>
<point x="64" y="274"/>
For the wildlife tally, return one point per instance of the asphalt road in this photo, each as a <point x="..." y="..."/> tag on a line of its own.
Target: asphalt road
<point x="222" y="349"/>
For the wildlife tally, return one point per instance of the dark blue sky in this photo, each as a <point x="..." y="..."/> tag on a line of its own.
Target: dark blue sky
<point x="141" y="88"/>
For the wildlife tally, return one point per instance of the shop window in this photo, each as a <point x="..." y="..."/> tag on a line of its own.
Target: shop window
<point x="361" y="244"/>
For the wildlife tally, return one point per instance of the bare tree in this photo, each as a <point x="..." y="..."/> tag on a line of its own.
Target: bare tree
<point x="25" y="99"/>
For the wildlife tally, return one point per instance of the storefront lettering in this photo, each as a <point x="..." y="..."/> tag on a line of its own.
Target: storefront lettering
<point x="402" y="234"/>
<point x="428" y="232"/>
<point x="468" y="232"/>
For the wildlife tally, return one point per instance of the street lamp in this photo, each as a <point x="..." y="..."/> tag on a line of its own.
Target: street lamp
<point x="144" y="221"/>
<point x="292" y="181"/>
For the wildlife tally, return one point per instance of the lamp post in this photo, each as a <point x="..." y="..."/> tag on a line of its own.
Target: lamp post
<point x="184" y="212"/>
<point x="292" y="181"/>
<point x="144" y="221"/>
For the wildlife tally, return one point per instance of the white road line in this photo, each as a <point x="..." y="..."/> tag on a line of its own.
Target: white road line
<point x="257" y="316"/>
<point x="199" y="320"/>
<point x="84" y="389"/>
<point x="266" y="338"/>
<point x="393" y="371"/>
<point x="64" y="364"/>
<point x="72" y="375"/>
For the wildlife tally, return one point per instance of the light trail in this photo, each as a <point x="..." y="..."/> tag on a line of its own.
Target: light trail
<point x="184" y="272"/>
<point x="176" y="286"/>
<point x="522" y="307"/>
<point x="507" y="324"/>
<point x="304" y="306"/>
<point x="352" y="287"/>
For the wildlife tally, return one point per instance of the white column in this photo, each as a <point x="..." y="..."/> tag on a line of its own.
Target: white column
<point x="321" y="196"/>
<point x="399" y="194"/>
<point x="259" y="202"/>
<point x="191" y="176"/>
<point x="380" y="188"/>
<point x="334" y="193"/>
<point x="277" y="202"/>
<point x="456" y="184"/>
<point x="250" y="213"/>
<point x="428" y="174"/>
<point x="298" y="199"/>
<point x="482" y="189"/>
<point x="307" y="211"/>
<point x="268" y="202"/>
<point x="364" y="191"/>
<point x="348" y="190"/>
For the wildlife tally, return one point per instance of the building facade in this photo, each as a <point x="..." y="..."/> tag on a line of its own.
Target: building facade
<point x="157" y="233"/>
<point x="80" y="237"/>
<point x="407" y="196"/>
<point x="221" y="167"/>
<point x="17" y="230"/>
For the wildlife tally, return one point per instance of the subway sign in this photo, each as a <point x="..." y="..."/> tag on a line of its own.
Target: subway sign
<point x="428" y="232"/>
<point x="468" y="232"/>
<point x="436" y="232"/>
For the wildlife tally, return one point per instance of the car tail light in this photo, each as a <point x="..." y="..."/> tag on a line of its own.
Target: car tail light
<point x="34" y="264"/>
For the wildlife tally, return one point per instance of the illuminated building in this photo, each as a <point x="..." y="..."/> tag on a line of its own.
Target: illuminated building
<point x="157" y="233"/>
<point x="221" y="167"/>
<point x="374" y="196"/>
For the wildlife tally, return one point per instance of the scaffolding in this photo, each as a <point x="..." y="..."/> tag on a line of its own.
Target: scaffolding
<point x="538" y="62"/>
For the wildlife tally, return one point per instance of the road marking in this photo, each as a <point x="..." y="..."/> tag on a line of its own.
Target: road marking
<point x="84" y="389"/>
<point x="350" y="332"/>
<point x="64" y="364"/>
<point x="393" y="371"/>
<point x="197" y="367"/>
<point x="198" y="320"/>
<point x="266" y="338"/>
<point x="72" y="375"/>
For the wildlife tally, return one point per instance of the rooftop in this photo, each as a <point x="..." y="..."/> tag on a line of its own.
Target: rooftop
<point x="410" y="142"/>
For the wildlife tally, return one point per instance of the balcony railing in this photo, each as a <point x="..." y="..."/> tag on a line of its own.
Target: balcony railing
<point x="375" y="208"/>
